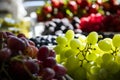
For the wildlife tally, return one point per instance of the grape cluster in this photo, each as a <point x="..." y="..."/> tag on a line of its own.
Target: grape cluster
<point x="89" y="57"/>
<point x="20" y="59"/>
<point x="49" y="68"/>
<point x="59" y="26"/>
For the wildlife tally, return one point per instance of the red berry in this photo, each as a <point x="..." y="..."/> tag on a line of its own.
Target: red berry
<point x="72" y="6"/>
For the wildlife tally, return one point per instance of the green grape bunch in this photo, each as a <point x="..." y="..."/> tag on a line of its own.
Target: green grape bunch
<point x="88" y="57"/>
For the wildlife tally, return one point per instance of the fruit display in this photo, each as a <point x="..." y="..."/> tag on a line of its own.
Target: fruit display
<point x="100" y="23"/>
<point x="90" y="57"/>
<point x="70" y="8"/>
<point x="15" y="26"/>
<point x="93" y="22"/>
<point x="20" y="59"/>
<point x="60" y="26"/>
<point x="92" y="15"/>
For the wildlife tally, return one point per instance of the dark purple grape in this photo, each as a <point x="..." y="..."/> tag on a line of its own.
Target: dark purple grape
<point x="22" y="69"/>
<point x="21" y="35"/>
<point x="3" y="35"/>
<point x="49" y="62"/>
<point x="48" y="74"/>
<point x="52" y="53"/>
<point x="43" y="53"/>
<point x="32" y="66"/>
<point x="59" y="70"/>
<point x="5" y="53"/>
<point x="15" y="43"/>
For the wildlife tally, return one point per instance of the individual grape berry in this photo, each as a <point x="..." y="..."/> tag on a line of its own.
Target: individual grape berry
<point x="52" y="53"/>
<point x="5" y="54"/>
<point x="59" y="70"/>
<point x="115" y="40"/>
<point x="47" y="74"/>
<point x="92" y="38"/>
<point x="49" y="62"/>
<point x="43" y="53"/>
<point x="15" y="43"/>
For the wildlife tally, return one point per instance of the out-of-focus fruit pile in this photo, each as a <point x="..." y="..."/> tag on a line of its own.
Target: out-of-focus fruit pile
<point x="15" y="26"/>
<point x="60" y="26"/>
<point x="80" y="8"/>
<point x="20" y="59"/>
<point x="94" y="15"/>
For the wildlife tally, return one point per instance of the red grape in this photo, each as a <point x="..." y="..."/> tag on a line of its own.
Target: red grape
<point x="47" y="74"/>
<point x="15" y="43"/>
<point x="5" y="53"/>
<point x="49" y="62"/>
<point x="59" y="70"/>
<point x="43" y="53"/>
<point x="52" y="53"/>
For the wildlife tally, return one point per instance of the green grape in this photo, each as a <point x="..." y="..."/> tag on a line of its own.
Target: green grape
<point x="82" y="38"/>
<point x="110" y="41"/>
<point x="58" y="49"/>
<point x="99" y="60"/>
<point x="113" y="67"/>
<point x="91" y="56"/>
<point x="115" y="40"/>
<point x="104" y="45"/>
<point x="69" y="53"/>
<point x="61" y="40"/>
<point x="80" y="74"/>
<point x="75" y="44"/>
<point x="69" y="34"/>
<point x="96" y="50"/>
<point x="93" y="77"/>
<point x="117" y="59"/>
<point x="94" y="69"/>
<point x="103" y="74"/>
<point x="71" y="64"/>
<point x="62" y="56"/>
<point x="92" y="38"/>
<point x="57" y="58"/>
<point x="87" y="65"/>
<point x="107" y="58"/>
<point x="80" y="56"/>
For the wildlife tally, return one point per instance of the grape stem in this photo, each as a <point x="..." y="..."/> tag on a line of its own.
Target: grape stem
<point x="4" y="70"/>
<point x="114" y="52"/>
<point x="84" y="52"/>
<point x="30" y="74"/>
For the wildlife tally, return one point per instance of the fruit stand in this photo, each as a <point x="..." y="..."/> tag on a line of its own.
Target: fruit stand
<point x="78" y="40"/>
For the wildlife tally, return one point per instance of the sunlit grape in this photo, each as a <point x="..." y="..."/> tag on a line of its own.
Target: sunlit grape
<point x="71" y="64"/>
<point x="58" y="49"/>
<point x="69" y="53"/>
<point x="115" y="40"/>
<point x="80" y="56"/>
<point x="117" y="59"/>
<point x="99" y="60"/>
<point x="61" y="40"/>
<point x="91" y="56"/>
<point x="69" y="34"/>
<point x="82" y="38"/>
<point x="104" y="45"/>
<point x="92" y="38"/>
<point x="75" y="44"/>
